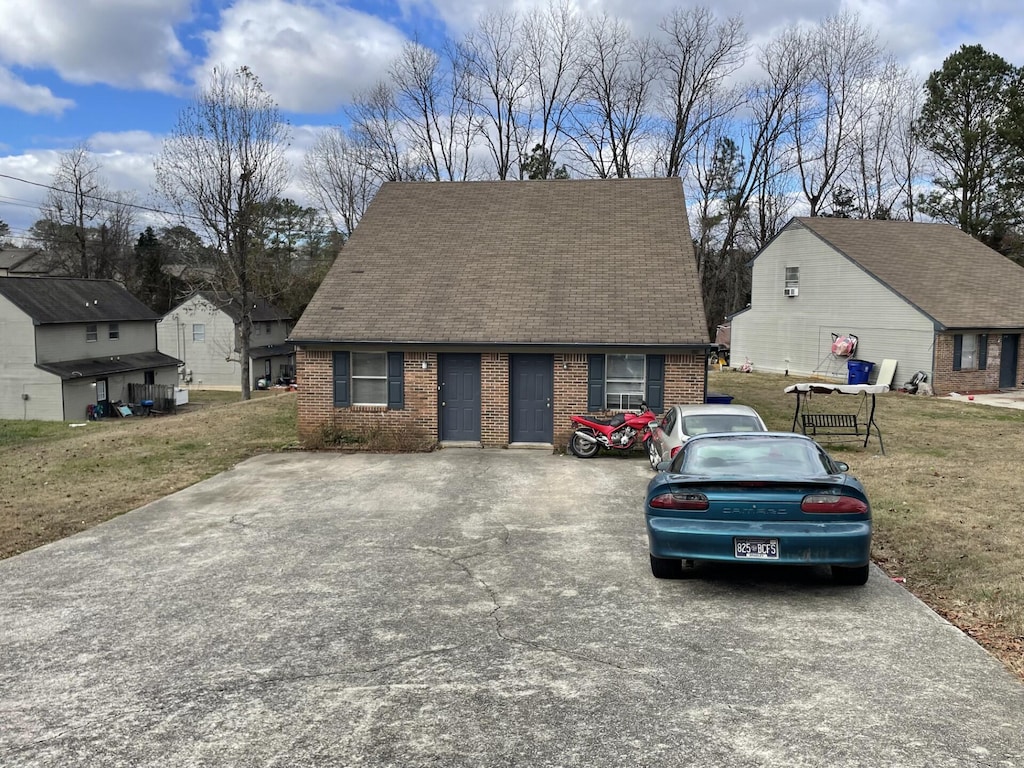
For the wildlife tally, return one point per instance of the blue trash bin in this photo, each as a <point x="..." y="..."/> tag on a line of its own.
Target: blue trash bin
<point x="858" y="371"/>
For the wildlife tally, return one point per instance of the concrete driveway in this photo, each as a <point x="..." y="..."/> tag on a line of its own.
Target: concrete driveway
<point x="464" y="608"/>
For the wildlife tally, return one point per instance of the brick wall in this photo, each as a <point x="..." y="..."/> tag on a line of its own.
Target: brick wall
<point x="684" y="383"/>
<point x="946" y="380"/>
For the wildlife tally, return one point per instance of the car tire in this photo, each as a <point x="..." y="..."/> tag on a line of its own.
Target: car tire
<point x="666" y="567"/>
<point x="851" y="577"/>
<point x="652" y="454"/>
<point x="582" y="448"/>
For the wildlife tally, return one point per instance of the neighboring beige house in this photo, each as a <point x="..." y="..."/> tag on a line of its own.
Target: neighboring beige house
<point x="926" y="295"/>
<point x="487" y="313"/>
<point x="203" y="332"/>
<point x="68" y="345"/>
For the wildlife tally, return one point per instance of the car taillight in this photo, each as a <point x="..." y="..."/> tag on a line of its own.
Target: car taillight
<point x="697" y="501"/>
<point x="831" y="503"/>
<point x="675" y="451"/>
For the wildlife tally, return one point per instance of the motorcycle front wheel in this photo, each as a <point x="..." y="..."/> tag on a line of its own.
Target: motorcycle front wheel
<point x="584" y="449"/>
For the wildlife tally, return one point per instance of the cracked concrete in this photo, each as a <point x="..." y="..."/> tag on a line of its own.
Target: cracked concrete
<point x="464" y="608"/>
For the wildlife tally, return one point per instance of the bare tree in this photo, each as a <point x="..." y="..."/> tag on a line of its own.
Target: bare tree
<point x="494" y="57"/>
<point x="613" y="121"/>
<point x="338" y="178"/>
<point x="71" y="206"/>
<point x="86" y="227"/>
<point x="553" y="60"/>
<point x="221" y="167"/>
<point x="381" y="135"/>
<point x="879" y="184"/>
<point x="696" y="58"/>
<point x="845" y="58"/>
<point x="432" y="100"/>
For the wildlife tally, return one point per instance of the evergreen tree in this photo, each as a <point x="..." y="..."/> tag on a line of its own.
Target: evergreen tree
<point x="969" y="125"/>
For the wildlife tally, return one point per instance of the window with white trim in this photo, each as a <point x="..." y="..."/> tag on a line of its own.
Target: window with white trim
<point x="199" y="332"/>
<point x="369" y="378"/>
<point x="625" y="381"/>
<point x="91" y="333"/>
<point x="114" y="331"/>
<point x="792" y="277"/>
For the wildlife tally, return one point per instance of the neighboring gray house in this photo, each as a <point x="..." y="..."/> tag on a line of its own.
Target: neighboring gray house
<point x="926" y="295"/>
<point x="21" y="262"/>
<point x="203" y="332"/>
<point x="67" y="344"/>
<point x="488" y="312"/>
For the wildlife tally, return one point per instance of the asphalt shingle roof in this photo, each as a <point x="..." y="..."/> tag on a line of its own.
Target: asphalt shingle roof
<point x="541" y="262"/>
<point x="956" y="280"/>
<point x="73" y="300"/>
<point x="263" y="311"/>
<point x="108" y="366"/>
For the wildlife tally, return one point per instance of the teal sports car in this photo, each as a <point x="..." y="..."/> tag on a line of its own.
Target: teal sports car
<point x="761" y="497"/>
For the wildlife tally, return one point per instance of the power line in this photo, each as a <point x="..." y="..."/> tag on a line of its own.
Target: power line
<point x="124" y="203"/>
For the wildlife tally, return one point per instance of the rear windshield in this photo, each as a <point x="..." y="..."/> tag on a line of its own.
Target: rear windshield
<point x="702" y="424"/>
<point x="751" y="456"/>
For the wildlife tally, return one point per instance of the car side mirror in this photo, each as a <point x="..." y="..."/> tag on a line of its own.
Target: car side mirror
<point x="663" y="466"/>
<point x="843" y="466"/>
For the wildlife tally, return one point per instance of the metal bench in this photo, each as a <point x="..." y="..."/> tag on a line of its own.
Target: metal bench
<point x="831" y="424"/>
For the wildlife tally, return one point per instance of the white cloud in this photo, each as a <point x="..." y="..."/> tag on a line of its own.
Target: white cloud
<point x="33" y="99"/>
<point x="311" y="57"/>
<point x="125" y="43"/>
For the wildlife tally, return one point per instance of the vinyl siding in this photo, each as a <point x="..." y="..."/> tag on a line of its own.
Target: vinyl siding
<point x="18" y="374"/>
<point x="61" y="341"/>
<point x="778" y="333"/>
<point x="207" y="360"/>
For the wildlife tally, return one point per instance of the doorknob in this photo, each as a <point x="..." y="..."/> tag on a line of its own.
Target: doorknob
<point x="443" y="403"/>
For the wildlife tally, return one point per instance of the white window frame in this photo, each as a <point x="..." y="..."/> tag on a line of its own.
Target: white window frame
<point x="199" y="333"/>
<point x="113" y="331"/>
<point x="383" y="362"/>
<point x="792" y="279"/>
<point x="625" y="400"/>
<point x="91" y="333"/>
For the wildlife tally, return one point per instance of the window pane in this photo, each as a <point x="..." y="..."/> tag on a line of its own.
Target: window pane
<point x="792" y="277"/>
<point x="370" y="391"/>
<point x="114" y="331"/>
<point x="969" y="352"/>
<point x="369" y="364"/>
<point x="198" y="332"/>
<point x="626" y="367"/>
<point x="90" y="333"/>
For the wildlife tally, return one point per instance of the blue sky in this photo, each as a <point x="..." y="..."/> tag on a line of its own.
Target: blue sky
<point x="115" y="73"/>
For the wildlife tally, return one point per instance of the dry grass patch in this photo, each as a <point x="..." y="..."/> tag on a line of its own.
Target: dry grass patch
<point x="948" y="499"/>
<point x="60" y="480"/>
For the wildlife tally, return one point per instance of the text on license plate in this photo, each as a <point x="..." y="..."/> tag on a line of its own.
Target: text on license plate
<point x="757" y="549"/>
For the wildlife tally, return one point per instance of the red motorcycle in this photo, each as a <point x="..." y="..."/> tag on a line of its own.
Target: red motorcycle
<point x="619" y="432"/>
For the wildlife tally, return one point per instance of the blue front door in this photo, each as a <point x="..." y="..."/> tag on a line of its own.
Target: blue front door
<point x="460" y="397"/>
<point x="531" y="390"/>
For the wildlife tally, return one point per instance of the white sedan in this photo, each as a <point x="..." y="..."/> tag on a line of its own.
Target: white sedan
<point x="681" y="422"/>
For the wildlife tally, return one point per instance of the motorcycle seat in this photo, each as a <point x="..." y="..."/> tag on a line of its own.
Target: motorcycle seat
<point x="611" y="421"/>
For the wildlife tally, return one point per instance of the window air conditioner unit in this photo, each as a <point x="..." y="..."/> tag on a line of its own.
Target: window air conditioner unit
<point x="790" y="291"/>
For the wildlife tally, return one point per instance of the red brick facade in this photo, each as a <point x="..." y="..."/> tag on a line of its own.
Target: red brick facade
<point x="946" y="380"/>
<point x="684" y="383"/>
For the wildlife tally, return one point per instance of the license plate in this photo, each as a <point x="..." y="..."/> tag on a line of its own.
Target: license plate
<point x="757" y="549"/>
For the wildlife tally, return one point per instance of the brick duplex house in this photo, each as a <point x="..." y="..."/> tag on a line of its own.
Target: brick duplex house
<point x="926" y="295"/>
<point x="487" y="313"/>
